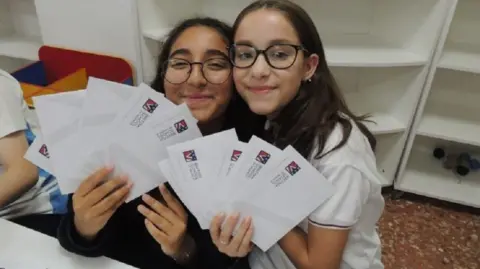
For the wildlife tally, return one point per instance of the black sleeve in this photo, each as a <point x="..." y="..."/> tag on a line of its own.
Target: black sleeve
<point x="73" y="242"/>
<point x="207" y="254"/>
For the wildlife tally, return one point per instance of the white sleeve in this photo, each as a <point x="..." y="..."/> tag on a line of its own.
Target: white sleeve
<point x="11" y="110"/>
<point x="344" y="208"/>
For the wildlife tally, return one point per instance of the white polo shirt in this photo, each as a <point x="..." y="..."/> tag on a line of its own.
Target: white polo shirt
<point x="15" y="116"/>
<point x="357" y="205"/>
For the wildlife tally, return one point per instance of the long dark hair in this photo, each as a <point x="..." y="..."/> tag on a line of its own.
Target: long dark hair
<point x="313" y="114"/>
<point x="238" y="114"/>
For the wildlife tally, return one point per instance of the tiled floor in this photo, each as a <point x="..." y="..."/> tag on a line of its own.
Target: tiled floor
<point x="418" y="233"/>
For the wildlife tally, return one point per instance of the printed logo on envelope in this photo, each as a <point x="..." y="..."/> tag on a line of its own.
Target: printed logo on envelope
<point x="44" y="151"/>
<point x="292" y="168"/>
<point x="263" y="157"/>
<point x="150" y="106"/>
<point x="190" y="156"/>
<point x="181" y="126"/>
<point x="235" y="155"/>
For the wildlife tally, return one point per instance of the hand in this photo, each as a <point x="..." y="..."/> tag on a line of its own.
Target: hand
<point x="96" y="200"/>
<point x="234" y="246"/>
<point x="167" y="224"/>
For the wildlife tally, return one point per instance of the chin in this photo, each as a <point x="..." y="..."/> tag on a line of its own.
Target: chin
<point x="261" y="108"/>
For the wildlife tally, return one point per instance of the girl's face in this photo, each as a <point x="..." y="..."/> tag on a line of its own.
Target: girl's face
<point x="206" y="91"/>
<point x="267" y="89"/>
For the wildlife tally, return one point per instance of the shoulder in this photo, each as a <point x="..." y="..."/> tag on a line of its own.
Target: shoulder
<point x="9" y="87"/>
<point x="356" y="154"/>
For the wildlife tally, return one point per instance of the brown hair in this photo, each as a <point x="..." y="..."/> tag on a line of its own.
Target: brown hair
<point x="313" y="114"/>
<point x="238" y="114"/>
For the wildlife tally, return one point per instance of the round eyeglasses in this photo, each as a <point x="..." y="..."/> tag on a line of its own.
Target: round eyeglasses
<point x="278" y="56"/>
<point x="214" y="70"/>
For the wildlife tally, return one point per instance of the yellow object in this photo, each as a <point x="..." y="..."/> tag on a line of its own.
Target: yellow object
<point x="75" y="81"/>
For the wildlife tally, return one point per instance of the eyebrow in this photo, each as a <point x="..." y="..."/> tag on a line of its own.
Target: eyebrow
<point x="271" y="42"/>
<point x="208" y="53"/>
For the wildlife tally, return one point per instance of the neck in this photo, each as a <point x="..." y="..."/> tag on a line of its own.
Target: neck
<point x="211" y="127"/>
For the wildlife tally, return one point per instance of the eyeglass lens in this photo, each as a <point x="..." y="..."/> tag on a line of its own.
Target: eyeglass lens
<point x="215" y="71"/>
<point x="278" y="56"/>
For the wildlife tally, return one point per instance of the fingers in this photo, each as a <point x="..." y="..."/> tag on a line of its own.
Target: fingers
<point x="157" y="234"/>
<point x="99" y="193"/>
<point x="236" y="242"/>
<point x="228" y="228"/>
<point x="215" y="227"/>
<point x="112" y="201"/>
<point x="246" y="245"/>
<point x="93" y="181"/>
<point x="161" y="209"/>
<point x="172" y="202"/>
<point x="159" y="221"/>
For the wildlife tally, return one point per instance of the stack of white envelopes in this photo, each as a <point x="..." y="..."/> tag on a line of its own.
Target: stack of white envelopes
<point x="151" y="140"/>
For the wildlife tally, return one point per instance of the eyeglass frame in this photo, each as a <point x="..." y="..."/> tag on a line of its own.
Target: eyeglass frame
<point x="259" y="51"/>
<point x="165" y="68"/>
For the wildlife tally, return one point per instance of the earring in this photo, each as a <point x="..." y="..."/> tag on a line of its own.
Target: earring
<point x="308" y="80"/>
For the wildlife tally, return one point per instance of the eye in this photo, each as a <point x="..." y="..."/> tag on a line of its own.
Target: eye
<point x="244" y="55"/>
<point x="217" y="64"/>
<point x="178" y="64"/>
<point x="279" y="55"/>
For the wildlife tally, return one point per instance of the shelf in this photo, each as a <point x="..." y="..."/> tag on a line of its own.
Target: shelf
<point x="461" y="60"/>
<point x="452" y="129"/>
<point x="452" y="108"/>
<point x="384" y="124"/>
<point x="462" y="47"/>
<point x="20" y="47"/>
<point x="388" y="152"/>
<point x="388" y="94"/>
<point x="368" y="51"/>
<point x="424" y="175"/>
<point x="375" y="33"/>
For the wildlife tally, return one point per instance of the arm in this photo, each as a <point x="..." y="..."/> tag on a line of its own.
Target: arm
<point x="329" y="225"/>
<point x="72" y="241"/>
<point x="20" y="175"/>
<point x="96" y="215"/>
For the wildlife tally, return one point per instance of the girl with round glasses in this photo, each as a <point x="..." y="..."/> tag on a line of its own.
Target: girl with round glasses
<point x="157" y="230"/>
<point x="280" y="70"/>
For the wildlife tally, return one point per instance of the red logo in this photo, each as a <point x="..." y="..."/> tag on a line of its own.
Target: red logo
<point x="44" y="151"/>
<point x="292" y="168"/>
<point x="190" y="156"/>
<point x="181" y="126"/>
<point x="263" y="157"/>
<point x="235" y="155"/>
<point x="150" y="106"/>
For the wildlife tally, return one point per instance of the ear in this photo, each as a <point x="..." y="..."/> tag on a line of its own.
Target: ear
<point x="310" y="65"/>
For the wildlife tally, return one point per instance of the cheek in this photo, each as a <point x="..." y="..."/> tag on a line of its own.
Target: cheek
<point x="239" y="76"/>
<point x="172" y="92"/>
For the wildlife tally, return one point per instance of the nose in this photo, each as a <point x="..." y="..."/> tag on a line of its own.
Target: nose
<point x="260" y="68"/>
<point x="196" y="76"/>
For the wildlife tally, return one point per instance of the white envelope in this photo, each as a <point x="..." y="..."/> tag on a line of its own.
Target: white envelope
<point x="103" y="100"/>
<point x="141" y="108"/>
<point x="135" y="152"/>
<point x="58" y="115"/>
<point x="38" y="154"/>
<point x="233" y="153"/>
<point x="256" y="161"/>
<point x="282" y="198"/>
<point x="197" y="164"/>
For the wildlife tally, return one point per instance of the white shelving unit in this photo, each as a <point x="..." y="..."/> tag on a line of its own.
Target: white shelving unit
<point x="449" y="113"/>
<point x="20" y="36"/>
<point x="379" y="50"/>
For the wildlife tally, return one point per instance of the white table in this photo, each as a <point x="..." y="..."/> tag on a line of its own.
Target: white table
<point x="23" y="248"/>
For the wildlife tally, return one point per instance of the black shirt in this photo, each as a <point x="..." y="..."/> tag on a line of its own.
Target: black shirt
<point x="126" y="239"/>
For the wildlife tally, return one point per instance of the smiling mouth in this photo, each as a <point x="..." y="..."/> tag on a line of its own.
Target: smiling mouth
<point x="197" y="99"/>
<point x="261" y="89"/>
